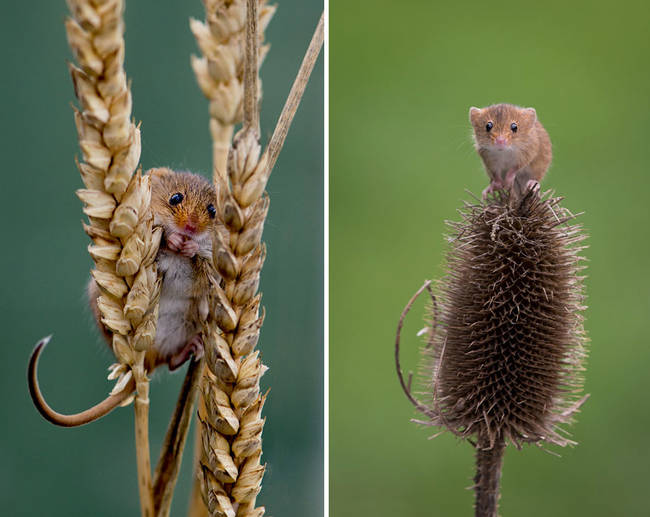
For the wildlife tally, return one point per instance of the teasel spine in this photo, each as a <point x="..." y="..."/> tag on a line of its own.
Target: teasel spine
<point x="117" y="202"/>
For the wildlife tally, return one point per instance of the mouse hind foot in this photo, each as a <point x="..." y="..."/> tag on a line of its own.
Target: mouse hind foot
<point x="533" y="185"/>
<point x="193" y="347"/>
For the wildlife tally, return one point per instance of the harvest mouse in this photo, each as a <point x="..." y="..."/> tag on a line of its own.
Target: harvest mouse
<point x="183" y="204"/>
<point x="513" y="145"/>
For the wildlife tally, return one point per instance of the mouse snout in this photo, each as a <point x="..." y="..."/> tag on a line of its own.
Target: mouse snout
<point x="187" y="224"/>
<point x="500" y="141"/>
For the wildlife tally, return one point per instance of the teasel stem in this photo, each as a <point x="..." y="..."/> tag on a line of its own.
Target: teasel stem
<point x="117" y="203"/>
<point x="230" y="471"/>
<point x="489" y="460"/>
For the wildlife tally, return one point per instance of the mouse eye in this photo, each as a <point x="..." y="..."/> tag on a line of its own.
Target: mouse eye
<point x="212" y="211"/>
<point x="489" y="126"/>
<point x="513" y="126"/>
<point x="176" y="199"/>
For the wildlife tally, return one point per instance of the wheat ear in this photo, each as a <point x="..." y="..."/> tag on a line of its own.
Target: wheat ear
<point x="116" y="201"/>
<point x="230" y="471"/>
<point x="220" y="70"/>
<point x="220" y="75"/>
<point x="230" y="416"/>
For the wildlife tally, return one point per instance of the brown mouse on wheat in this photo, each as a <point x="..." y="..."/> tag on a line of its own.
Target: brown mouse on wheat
<point x="183" y="204"/>
<point x="514" y="146"/>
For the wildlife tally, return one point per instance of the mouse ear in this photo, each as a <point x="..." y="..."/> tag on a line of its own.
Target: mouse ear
<point x="530" y="114"/>
<point x="474" y="114"/>
<point x="158" y="172"/>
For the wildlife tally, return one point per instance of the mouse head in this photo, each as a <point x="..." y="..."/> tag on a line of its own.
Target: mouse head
<point x="184" y="205"/>
<point x="502" y="126"/>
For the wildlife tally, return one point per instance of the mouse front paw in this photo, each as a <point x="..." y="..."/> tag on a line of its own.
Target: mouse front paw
<point x="175" y="241"/>
<point x="189" y="248"/>
<point x="492" y="187"/>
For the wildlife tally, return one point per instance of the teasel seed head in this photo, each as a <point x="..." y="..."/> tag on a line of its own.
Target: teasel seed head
<point x="508" y="351"/>
<point x="506" y="346"/>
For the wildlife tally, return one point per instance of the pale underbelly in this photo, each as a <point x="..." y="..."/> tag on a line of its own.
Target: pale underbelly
<point x="175" y="329"/>
<point x="176" y="326"/>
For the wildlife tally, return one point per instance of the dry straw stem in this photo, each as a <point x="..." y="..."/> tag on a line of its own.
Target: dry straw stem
<point x="117" y="203"/>
<point x="230" y="471"/>
<point x="172" y="451"/>
<point x="505" y="350"/>
<point x="295" y="95"/>
<point x="220" y="70"/>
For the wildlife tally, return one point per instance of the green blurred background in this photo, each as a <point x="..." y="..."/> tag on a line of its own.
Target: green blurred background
<point x="403" y="75"/>
<point x="91" y="470"/>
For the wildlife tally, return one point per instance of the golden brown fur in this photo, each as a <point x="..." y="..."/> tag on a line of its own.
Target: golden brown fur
<point x="184" y="265"/>
<point x="198" y="193"/>
<point x="524" y="153"/>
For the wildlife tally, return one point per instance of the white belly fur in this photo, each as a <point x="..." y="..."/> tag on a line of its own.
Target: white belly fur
<point x="175" y="327"/>
<point x="500" y="160"/>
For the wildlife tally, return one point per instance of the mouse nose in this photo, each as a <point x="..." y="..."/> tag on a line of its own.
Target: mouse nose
<point x="190" y="226"/>
<point x="500" y="140"/>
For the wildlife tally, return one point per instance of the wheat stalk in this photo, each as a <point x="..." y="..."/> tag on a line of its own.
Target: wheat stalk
<point x="171" y="452"/>
<point x="230" y="471"/>
<point x="116" y="201"/>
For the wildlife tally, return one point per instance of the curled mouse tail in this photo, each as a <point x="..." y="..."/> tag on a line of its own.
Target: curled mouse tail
<point x="85" y="417"/>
